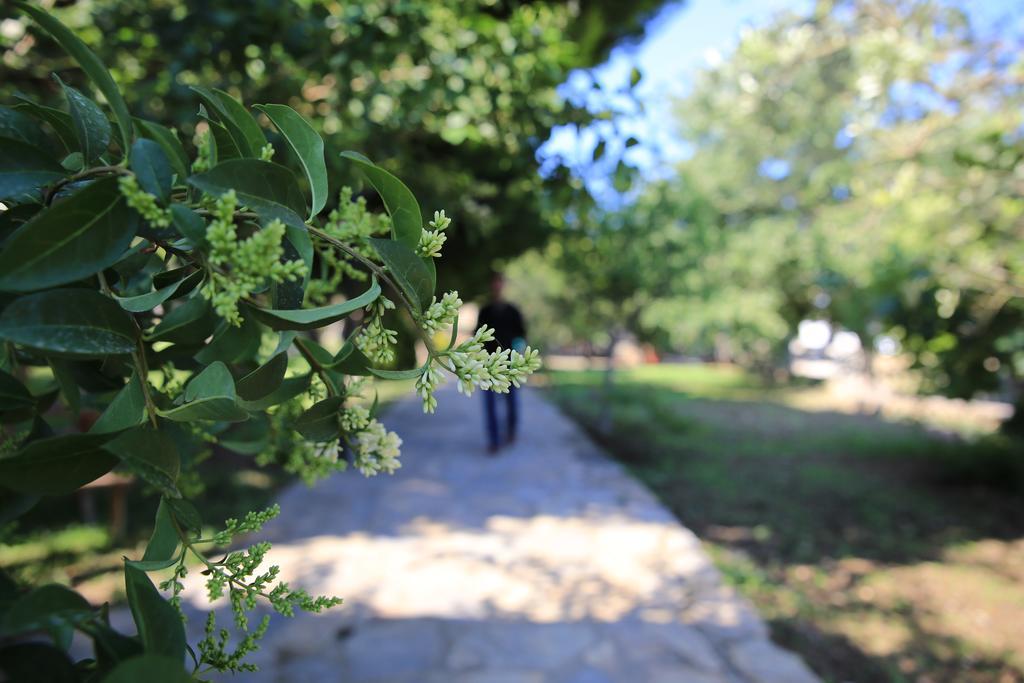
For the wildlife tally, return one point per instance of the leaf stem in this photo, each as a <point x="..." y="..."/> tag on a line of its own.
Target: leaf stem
<point x="82" y="175"/>
<point x="138" y="358"/>
<point x="383" y="276"/>
<point x="318" y="369"/>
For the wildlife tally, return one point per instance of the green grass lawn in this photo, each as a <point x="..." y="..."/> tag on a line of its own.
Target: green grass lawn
<point x="880" y="551"/>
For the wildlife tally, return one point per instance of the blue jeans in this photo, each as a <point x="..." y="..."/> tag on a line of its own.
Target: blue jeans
<point x="491" y="415"/>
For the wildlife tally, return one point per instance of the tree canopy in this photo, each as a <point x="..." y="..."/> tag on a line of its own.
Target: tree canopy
<point x="457" y="94"/>
<point x="860" y="164"/>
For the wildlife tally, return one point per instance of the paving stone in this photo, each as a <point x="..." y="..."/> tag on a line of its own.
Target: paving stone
<point x="763" y="662"/>
<point x="498" y="677"/>
<point x="302" y="669"/>
<point x="689" y="644"/>
<point x="546" y="564"/>
<point x="387" y="650"/>
<point x="511" y="644"/>
<point x="680" y="674"/>
<point x="585" y="674"/>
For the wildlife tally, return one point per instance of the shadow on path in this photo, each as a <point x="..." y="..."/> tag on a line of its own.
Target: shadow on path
<point x="547" y="563"/>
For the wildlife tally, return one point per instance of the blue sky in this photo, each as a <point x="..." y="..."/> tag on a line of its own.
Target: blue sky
<point x="677" y="41"/>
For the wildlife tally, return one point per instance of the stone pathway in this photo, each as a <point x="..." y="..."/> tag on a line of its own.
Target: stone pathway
<point x="546" y="564"/>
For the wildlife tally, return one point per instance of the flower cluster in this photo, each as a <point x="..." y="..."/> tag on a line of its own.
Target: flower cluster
<point x="376" y="449"/>
<point x="251" y="261"/>
<point x="474" y="367"/>
<point x="431" y="241"/>
<point x="375" y="340"/>
<point x="286" y="447"/>
<point x="253" y="521"/>
<point x="204" y="153"/>
<point x="267" y="152"/>
<point x="214" y="648"/>
<point x="143" y="202"/>
<point x="427" y="384"/>
<point x="351" y="223"/>
<point x="239" y="575"/>
<point x="354" y="419"/>
<point x="175" y="586"/>
<point x="500" y="370"/>
<point x="441" y="314"/>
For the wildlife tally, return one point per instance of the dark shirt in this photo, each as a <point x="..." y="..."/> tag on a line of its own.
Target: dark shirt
<point x="507" y="322"/>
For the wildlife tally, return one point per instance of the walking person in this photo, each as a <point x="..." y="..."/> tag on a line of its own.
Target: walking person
<point x="509" y="333"/>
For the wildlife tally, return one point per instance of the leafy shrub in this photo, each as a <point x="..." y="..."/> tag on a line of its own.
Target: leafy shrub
<point x="166" y="296"/>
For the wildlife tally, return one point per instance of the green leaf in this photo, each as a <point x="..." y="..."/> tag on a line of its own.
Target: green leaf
<point x="190" y="224"/>
<point x="166" y="278"/>
<point x="110" y="646"/>
<point x="214" y="380"/>
<point x="258" y="184"/>
<point x="289" y="389"/>
<point x="127" y="410"/>
<point x="409" y="271"/>
<point x="44" y="609"/>
<point x="21" y="127"/>
<point x="398" y="374"/>
<point x="223" y="147"/>
<point x="151" y="669"/>
<point x="73" y="162"/>
<point x="56" y="465"/>
<point x="297" y="245"/>
<point x="351" y="361"/>
<point x="160" y="628"/>
<point x="308" y="147"/>
<point x="92" y="129"/>
<point x="245" y="132"/>
<point x="30" y="662"/>
<point x="323" y="358"/>
<point x="164" y="541"/>
<point x="152" y="168"/>
<point x="186" y="514"/>
<point x="232" y="344"/>
<point x="242" y="120"/>
<point x="150" y="300"/>
<point x="284" y="341"/>
<point x="72" y="239"/>
<point x="13" y="395"/>
<point x="321" y="421"/>
<point x="89" y="62"/>
<point x="150" y="454"/>
<point x="77" y="323"/>
<point x="190" y="322"/>
<point x="210" y="395"/>
<point x="313" y="318"/>
<point x="248" y="438"/>
<point x="406" y="219"/>
<point x="261" y="382"/>
<point x="170" y="143"/>
<point x="68" y="385"/>
<point x="25" y="169"/>
<point x="60" y="121"/>
<point x="311" y="348"/>
<point x="15" y="217"/>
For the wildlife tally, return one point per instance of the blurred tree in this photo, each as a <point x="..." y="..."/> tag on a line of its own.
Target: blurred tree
<point x="872" y="153"/>
<point x="861" y="164"/>
<point x="456" y="93"/>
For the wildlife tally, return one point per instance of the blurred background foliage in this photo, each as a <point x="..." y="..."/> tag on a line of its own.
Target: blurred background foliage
<point x="454" y="95"/>
<point x="860" y="164"/>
